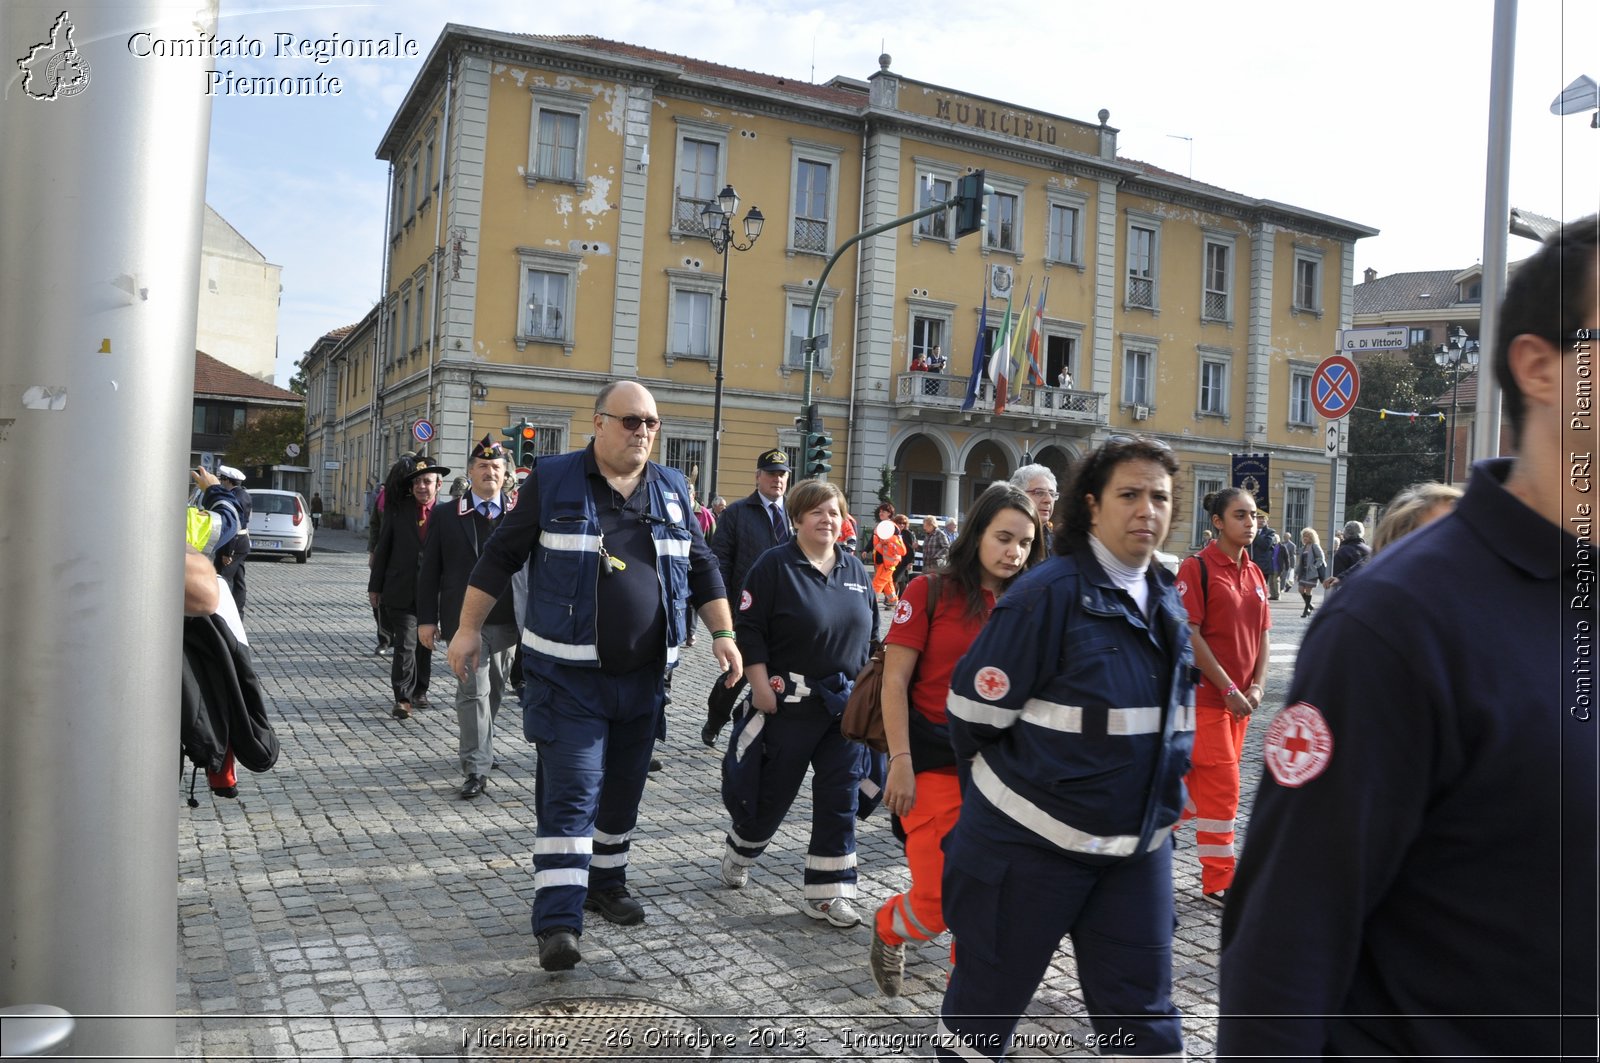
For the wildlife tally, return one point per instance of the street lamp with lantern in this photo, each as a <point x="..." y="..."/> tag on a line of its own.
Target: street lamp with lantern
<point x="717" y="217"/>
<point x="1458" y="354"/>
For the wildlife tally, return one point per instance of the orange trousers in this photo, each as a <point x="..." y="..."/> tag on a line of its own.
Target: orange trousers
<point x="1213" y="784"/>
<point x="883" y="583"/>
<point x="918" y="913"/>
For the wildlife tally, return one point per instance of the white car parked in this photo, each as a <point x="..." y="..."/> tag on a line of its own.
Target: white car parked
<point x="280" y="523"/>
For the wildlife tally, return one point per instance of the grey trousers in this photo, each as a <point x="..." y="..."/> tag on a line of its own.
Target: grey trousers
<point x="478" y="699"/>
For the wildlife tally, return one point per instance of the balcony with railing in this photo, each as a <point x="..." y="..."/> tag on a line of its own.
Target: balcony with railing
<point x="929" y="392"/>
<point x="810" y="234"/>
<point x="688" y="217"/>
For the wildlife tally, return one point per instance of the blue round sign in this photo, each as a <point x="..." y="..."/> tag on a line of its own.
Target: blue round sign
<point x="422" y="430"/>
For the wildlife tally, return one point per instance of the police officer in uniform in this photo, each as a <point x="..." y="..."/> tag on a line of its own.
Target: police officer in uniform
<point x="615" y="560"/>
<point x="460" y="530"/>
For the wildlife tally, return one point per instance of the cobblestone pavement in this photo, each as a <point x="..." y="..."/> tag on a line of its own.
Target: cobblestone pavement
<point x="349" y="906"/>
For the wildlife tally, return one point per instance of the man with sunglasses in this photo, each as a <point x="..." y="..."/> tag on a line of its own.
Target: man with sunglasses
<point x="615" y="561"/>
<point x="1419" y="878"/>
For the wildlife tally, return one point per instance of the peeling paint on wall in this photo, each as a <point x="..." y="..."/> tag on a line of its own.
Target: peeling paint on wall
<point x="563" y="204"/>
<point x="599" y="195"/>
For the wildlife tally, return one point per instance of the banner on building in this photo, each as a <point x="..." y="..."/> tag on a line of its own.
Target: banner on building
<point x="1252" y="472"/>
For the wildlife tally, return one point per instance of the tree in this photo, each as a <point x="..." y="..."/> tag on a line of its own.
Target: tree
<point x="1388" y="453"/>
<point x="297" y="383"/>
<point x="263" y="441"/>
<point x="885" y="484"/>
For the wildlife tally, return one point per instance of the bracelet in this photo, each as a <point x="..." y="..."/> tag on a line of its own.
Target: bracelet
<point x="1233" y="688"/>
<point x="892" y="758"/>
<point x="722" y="635"/>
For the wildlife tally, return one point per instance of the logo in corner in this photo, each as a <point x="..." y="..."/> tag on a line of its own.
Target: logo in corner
<point x="991" y="683"/>
<point x="902" y="612"/>
<point x="1298" y="746"/>
<point x="54" y="69"/>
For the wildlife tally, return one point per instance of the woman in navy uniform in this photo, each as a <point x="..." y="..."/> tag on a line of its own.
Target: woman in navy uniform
<point x="1072" y="716"/>
<point x="805" y="623"/>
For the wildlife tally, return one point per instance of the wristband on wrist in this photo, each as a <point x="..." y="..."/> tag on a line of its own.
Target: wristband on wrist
<point x="892" y="757"/>
<point x="1233" y="688"/>
<point x="722" y="634"/>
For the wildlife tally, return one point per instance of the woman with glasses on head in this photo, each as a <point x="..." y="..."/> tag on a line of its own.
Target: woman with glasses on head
<point x="805" y="624"/>
<point x="1071" y="713"/>
<point x="1226" y="596"/>
<point x="941" y="613"/>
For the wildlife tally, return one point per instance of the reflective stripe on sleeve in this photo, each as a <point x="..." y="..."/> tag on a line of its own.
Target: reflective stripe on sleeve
<point x="979" y="712"/>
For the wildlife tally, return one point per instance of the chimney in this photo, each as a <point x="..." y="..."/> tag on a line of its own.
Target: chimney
<point x="1369" y="274"/>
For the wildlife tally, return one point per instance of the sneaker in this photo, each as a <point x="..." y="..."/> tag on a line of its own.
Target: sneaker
<point x="836" y="910"/>
<point x="615" y="906"/>
<point x="1218" y="899"/>
<point x="888" y="965"/>
<point x="734" y="874"/>
<point x="558" y="949"/>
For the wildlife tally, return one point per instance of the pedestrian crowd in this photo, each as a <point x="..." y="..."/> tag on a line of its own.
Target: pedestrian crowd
<point x="1058" y="709"/>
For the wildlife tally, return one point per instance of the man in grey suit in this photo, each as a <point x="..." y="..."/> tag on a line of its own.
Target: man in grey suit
<point x="460" y="530"/>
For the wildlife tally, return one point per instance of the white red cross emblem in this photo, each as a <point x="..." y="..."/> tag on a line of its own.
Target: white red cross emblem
<point x="991" y="683"/>
<point x="776" y="683"/>
<point x="745" y="601"/>
<point x="1298" y="746"/>
<point x="902" y="612"/>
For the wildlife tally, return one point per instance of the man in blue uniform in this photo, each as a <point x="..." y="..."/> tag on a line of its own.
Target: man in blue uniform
<point x="615" y="560"/>
<point x="1419" y="878"/>
<point x="1264" y="550"/>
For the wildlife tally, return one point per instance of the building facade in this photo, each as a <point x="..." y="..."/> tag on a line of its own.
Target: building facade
<point x="545" y="237"/>
<point x="237" y="321"/>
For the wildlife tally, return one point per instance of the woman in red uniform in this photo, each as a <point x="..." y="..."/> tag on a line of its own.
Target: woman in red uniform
<point x="922" y="648"/>
<point x="1225" y="594"/>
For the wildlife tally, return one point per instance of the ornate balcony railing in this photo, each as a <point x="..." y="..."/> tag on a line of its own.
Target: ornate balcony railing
<point x="941" y="391"/>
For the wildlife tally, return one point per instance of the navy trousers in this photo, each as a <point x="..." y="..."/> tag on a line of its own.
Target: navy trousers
<point x="595" y="733"/>
<point x="1009" y="905"/>
<point x="794" y="738"/>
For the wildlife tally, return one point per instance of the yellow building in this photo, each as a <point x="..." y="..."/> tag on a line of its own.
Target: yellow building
<point x="546" y="237"/>
<point x="341" y="445"/>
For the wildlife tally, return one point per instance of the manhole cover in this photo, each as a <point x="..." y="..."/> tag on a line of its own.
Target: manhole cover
<point x="596" y="1028"/>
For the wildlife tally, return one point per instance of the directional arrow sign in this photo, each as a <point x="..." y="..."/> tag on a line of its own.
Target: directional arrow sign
<point x="1334" y="387"/>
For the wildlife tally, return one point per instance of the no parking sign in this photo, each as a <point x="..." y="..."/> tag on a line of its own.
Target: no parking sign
<point x="422" y="430"/>
<point x="1334" y="387"/>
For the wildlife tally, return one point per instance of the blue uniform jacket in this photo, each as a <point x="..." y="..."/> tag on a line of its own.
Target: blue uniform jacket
<point x="1419" y="879"/>
<point x="562" y="619"/>
<point x="1077" y="713"/>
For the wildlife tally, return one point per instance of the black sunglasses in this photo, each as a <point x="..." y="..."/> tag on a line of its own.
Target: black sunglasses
<point x="632" y="421"/>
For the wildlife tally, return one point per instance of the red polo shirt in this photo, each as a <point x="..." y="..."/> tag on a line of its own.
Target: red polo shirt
<point x="941" y="648"/>
<point x="1231" y="615"/>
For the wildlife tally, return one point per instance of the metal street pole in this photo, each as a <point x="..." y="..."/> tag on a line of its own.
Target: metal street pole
<point x="102" y="200"/>
<point x="716" y="402"/>
<point x="717" y="216"/>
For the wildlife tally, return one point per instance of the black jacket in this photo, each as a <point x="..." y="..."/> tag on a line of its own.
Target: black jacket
<point x="222" y="705"/>
<point x="456" y="535"/>
<point x="398" y="556"/>
<point x="744" y="533"/>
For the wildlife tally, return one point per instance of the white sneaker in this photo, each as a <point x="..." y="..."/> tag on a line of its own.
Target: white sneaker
<point x="734" y="874"/>
<point x="836" y="910"/>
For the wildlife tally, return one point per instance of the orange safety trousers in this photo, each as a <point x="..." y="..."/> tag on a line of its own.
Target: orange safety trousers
<point x="918" y="913"/>
<point x="883" y="583"/>
<point x="1213" y="785"/>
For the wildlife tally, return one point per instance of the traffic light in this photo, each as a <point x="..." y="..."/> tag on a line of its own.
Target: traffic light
<point x="972" y="203"/>
<point x="527" y="453"/>
<point x="520" y="446"/>
<point x="819" y="449"/>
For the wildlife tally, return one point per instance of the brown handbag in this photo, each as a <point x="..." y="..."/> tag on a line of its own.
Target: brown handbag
<point x="863" y="712"/>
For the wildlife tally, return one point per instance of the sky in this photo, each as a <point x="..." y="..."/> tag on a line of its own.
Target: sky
<point x="1374" y="111"/>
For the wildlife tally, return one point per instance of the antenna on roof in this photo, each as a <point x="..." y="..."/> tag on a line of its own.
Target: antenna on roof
<point x="813" y="59"/>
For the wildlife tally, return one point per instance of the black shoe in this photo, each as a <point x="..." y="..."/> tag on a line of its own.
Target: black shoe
<point x="1218" y="899"/>
<point x="380" y="650"/>
<point x="421" y="700"/>
<point x="226" y="791"/>
<point x="615" y="906"/>
<point x="655" y="763"/>
<point x="474" y="786"/>
<point x="402" y="711"/>
<point x="708" y="733"/>
<point x="558" y="949"/>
